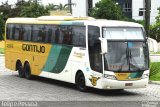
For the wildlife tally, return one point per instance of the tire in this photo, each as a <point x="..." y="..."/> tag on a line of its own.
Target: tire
<point x="27" y="71"/>
<point x="80" y="82"/>
<point x="20" y="70"/>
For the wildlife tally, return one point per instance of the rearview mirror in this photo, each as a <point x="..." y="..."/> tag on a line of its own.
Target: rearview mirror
<point x="104" y="46"/>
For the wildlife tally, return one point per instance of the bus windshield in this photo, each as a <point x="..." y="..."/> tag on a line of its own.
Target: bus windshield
<point x="116" y="33"/>
<point x="124" y="54"/>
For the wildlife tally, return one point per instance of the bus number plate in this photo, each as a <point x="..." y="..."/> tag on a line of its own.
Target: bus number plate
<point x="128" y="84"/>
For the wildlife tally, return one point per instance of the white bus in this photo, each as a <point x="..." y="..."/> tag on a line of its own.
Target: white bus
<point x="103" y="54"/>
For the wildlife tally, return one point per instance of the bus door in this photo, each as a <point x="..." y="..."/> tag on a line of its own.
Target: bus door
<point x="94" y="47"/>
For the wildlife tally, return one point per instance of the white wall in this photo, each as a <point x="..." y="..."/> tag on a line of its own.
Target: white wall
<point x="154" y="12"/>
<point x="80" y="8"/>
<point x="136" y="4"/>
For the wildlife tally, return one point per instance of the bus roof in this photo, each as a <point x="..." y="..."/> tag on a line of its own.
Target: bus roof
<point x="71" y="20"/>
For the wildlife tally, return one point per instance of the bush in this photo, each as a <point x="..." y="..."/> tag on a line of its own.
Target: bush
<point x="107" y="9"/>
<point x="155" y="31"/>
<point x="154" y="68"/>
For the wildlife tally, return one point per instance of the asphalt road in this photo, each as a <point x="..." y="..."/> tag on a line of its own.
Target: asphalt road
<point x="13" y="88"/>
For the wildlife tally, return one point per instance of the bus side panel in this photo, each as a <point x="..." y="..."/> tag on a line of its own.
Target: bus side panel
<point x="12" y="54"/>
<point x="56" y="65"/>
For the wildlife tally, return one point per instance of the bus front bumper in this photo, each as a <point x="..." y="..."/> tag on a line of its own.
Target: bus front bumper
<point x="115" y="84"/>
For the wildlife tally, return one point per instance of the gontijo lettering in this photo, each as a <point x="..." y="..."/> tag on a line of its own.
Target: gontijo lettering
<point x="33" y="48"/>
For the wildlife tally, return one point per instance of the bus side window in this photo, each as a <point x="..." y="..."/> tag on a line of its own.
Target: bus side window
<point x="50" y="33"/>
<point x="67" y="35"/>
<point x="9" y="31"/>
<point x="38" y="33"/>
<point x="60" y="34"/>
<point x="21" y="33"/>
<point x="78" y="36"/>
<point x="94" y="47"/>
<point x="16" y="31"/>
<point x="27" y="32"/>
<point x="57" y="34"/>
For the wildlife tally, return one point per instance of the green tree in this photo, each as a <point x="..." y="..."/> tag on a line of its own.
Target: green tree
<point x="158" y="17"/>
<point x="1" y="27"/>
<point x="155" y="28"/>
<point x="51" y="7"/>
<point x="107" y="9"/>
<point x="155" y="31"/>
<point x="33" y="9"/>
<point x="62" y="7"/>
<point x="5" y="12"/>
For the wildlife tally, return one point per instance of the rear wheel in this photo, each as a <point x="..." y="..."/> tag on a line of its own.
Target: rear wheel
<point x="80" y="82"/>
<point x="27" y="71"/>
<point x="20" y="70"/>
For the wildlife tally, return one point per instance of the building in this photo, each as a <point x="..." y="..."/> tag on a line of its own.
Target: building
<point x="131" y="8"/>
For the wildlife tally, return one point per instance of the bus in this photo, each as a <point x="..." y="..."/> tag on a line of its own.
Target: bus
<point x="88" y="52"/>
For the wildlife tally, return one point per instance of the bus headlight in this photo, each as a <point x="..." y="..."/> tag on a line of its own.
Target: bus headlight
<point x="109" y="76"/>
<point x="145" y="76"/>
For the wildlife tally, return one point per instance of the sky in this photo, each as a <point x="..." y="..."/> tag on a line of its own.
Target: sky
<point x="44" y="2"/>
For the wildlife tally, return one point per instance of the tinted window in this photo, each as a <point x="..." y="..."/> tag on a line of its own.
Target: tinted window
<point x="63" y="35"/>
<point x="50" y="33"/>
<point x="27" y="32"/>
<point x="16" y="32"/>
<point x="78" y="36"/>
<point x="67" y="34"/>
<point x="9" y="32"/>
<point x="38" y="33"/>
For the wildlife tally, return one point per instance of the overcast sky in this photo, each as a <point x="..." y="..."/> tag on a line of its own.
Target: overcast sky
<point x="45" y="2"/>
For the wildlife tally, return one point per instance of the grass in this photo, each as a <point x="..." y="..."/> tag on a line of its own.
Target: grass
<point x="1" y="47"/>
<point x="155" y="71"/>
<point x="1" y="50"/>
<point x="155" y="77"/>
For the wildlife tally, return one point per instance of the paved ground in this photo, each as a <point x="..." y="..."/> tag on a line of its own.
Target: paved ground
<point x="13" y="88"/>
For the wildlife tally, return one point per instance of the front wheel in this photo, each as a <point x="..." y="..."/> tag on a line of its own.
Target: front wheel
<point x="27" y="71"/>
<point x="80" y="82"/>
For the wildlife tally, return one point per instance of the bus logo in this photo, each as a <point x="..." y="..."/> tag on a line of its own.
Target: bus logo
<point x="33" y="48"/>
<point x="79" y="55"/>
<point x="94" y="80"/>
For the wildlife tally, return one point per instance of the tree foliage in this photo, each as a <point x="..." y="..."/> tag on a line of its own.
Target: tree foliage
<point x="155" y="31"/>
<point x="57" y="7"/>
<point x="33" y="9"/>
<point x="51" y="6"/>
<point x="22" y="8"/>
<point x="158" y="17"/>
<point x="1" y="27"/>
<point x="107" y="9"/>
<point x="155" y="28"/>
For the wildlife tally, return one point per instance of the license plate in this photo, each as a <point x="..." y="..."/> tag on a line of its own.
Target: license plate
<point x="128" y="84"/>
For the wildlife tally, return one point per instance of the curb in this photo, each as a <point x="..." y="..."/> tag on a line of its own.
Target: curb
<point x="154" y="82"/>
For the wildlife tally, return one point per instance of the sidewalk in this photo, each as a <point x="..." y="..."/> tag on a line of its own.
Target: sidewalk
<point x="154" y="82"/>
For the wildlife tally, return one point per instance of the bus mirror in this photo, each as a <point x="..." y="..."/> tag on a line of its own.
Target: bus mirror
<point x="153" y="45"/>
<point x="104" y="46"/>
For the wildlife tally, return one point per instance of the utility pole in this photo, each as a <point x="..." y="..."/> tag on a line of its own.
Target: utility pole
<point x="70" y="6"/>
<point x="147" y="16"/>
